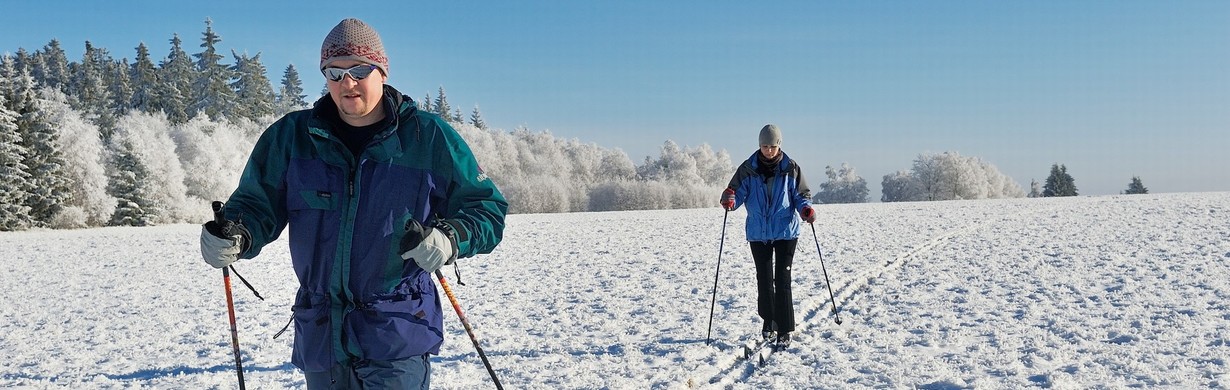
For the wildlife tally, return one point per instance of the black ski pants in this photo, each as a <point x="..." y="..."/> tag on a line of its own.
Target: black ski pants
<point x="773" y="301"/>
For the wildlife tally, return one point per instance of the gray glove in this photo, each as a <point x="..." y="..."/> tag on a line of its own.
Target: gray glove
<point x="221" y="244"/>
<point x="430" y="247"/>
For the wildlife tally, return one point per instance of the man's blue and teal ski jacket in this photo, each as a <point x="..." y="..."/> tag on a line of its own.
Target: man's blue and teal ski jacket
<point x="358" y="299"/>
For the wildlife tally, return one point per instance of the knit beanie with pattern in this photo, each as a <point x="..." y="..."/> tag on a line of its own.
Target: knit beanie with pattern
<point x="354" y="40"/>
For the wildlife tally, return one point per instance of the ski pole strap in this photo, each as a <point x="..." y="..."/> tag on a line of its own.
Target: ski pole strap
<point x="457" y="270"/>
<point x="245" y="283"/>
<point x="284" y="328"/>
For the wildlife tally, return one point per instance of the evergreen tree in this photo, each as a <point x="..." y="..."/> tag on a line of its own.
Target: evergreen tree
<point x="254" y="93"/>
<point x="87" y="90"/>
<point x="212" y="91"/>
<point x="174" y="89"/>
<point x="127" y="184"/>
<point x="1059" y="183"/>
<point x="441" y="107"/>
<point x="14" y="176"/>
<point x="119" y="86"/>
<point x="53" y="71"/>
<point x="144" y="78"/>
<point x="8" y="89"/>
<point x="291" y="97"/>
<point x="48" y="186"/>
<point x="425" y="105"/>
<point x="1069" y="184"/>
<point x="23" y="61"/>
<point x="84" y="156"/>
<point x="1136" y="187"/>
<point x="476" y="119"/>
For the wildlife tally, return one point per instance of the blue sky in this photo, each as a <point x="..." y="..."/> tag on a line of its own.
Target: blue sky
<point x="1110" y="89"/>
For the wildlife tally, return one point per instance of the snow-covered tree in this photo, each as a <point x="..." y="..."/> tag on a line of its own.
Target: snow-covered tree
<point x="128" y="182"/>
<point x="714" y="169"/>
<point x="48" y="187"/>
<point x="521" y="162"/>
<point x="441" y="106"/>
<point x="119" y="87"/>
<point x="14" y="213"/>
<point x="254" y="93"/>
<point x="927" y="172"/>
<point x="147" y="176"/>
<point x="1136" y="187"/>
<point x="843" y="186"/>
<point x="947" y="176"/>
<point x="84" y="155"/>
<point x="540" y="155"/>
<point x="631" y="195"/>
<point x="1059" y="183"/>
<point x="290" y="96"/>
<point x="212" y="92"/>
<point x="900" y="187"/>
<point x="23" y="61"/>
<point x="144" y="77"/>
<point x="175" y="75"/>
<point x="616" y="166"/>
<point x="476" y="119"/>
<point x="213" y="155"/>
<point x="536" y="194"/>
<point x="425" y="104"/>
<point x="673" y="165"/>
<point x="53" y="72"/>
<point x="88" y="89"/>
<point x="496" y="151"/>
<point x="1035" y="189"/>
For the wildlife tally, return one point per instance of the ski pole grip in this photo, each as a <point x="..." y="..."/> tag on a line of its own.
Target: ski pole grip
<point x="218" y="217"/>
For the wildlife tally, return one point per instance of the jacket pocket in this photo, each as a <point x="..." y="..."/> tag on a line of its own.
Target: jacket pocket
<point x="406" y="322"/>
<point x="314" y="199"/>
<point x="313" y="350"/>
<point x="313" y="185"/>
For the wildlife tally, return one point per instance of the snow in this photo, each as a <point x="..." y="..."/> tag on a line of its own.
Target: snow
<point x="1087" y="292"/>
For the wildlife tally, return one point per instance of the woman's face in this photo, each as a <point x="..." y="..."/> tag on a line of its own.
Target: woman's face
<point x="770" y="151"/>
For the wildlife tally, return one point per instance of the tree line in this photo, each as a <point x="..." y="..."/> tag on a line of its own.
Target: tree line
<point x="101" y="142"/>
<point x="104" y="141"/>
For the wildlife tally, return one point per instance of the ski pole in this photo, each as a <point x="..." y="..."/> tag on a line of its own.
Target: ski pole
<point x="230" y="302"/>
<point x="713" y="301"/>
<point x="469" y="330"/>
<point x="836" y="317"/>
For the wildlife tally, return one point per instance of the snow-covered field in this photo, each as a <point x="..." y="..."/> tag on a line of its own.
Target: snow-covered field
<point x="1071" y="293"/>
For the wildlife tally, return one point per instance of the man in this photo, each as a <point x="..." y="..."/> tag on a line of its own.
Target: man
<point x="378" y="195"/>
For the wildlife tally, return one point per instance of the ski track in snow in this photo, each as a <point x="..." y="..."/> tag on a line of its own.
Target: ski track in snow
<point x="1090" y="292"/>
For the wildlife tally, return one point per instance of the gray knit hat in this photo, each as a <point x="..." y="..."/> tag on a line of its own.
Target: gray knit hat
<point x="354" y="40"/>
<point x="770" y="135"/>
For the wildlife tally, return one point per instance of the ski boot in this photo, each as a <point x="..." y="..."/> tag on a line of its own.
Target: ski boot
<point x="783" y="340"/>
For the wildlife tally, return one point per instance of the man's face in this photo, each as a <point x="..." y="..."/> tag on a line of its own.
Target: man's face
<point x="358" y="101"/>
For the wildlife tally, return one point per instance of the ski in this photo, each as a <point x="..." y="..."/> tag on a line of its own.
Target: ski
<point x="762" y="350"/>
<point x="755" y="349"/>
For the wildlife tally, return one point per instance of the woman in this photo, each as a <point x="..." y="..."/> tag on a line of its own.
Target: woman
<point x="772" y="186"/>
